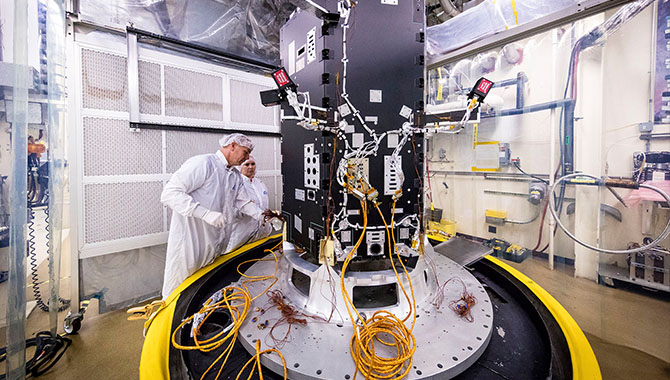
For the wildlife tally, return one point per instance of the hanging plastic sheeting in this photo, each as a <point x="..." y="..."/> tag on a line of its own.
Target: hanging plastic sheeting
<point x="488" y="18"/>
<point x="141" y="270"/>
<point x="56" y="135"/>
<point x="15" y="364"/>
<point x="247" y="28"/>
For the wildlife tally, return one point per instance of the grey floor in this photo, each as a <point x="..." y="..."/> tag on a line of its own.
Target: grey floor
<point x="630" y="333"/>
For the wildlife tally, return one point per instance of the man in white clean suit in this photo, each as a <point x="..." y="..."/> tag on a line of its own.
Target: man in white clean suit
<point x="206" y="194"/>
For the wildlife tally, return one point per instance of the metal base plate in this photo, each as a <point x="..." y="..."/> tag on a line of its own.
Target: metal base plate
<point x="446" y="343"/>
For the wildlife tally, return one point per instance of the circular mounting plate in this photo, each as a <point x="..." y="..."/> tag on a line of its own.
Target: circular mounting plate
<point x="446" y="343"/>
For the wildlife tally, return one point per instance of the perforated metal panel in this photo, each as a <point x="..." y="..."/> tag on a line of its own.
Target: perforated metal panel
<point x="192" y="94"/>
<point x="274" y="199"/>
<point x="183" y="145"/>
<point x="122" y="210"/>
<point x="245" y="104"/>
<point x="150" y="88"/>
<point x="115" y="207"/>
<point x="266" y="152"/>
<point x="104" y="79"/>
<point x="111" y="148"/>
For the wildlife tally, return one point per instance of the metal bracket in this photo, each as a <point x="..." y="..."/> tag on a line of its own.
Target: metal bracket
<point x="133" y="77"/>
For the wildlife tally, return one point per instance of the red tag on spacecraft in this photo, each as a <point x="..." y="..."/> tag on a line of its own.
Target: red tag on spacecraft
<point x="281" y="78"/>
<point x="481" y="89"/>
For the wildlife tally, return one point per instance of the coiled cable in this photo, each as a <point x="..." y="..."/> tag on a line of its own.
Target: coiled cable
<point x="33" y="263"/>
<point x="382" y="325"/>
<point x="560" y="225"/>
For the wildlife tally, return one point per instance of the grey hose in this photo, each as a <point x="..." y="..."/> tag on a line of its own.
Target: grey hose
<point x="527" y="221"/>
<point x="552" y="207"/>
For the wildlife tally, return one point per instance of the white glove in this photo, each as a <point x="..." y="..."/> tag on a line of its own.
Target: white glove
<point x="276" y="223"/>
<point x="214" y="218"/>
<point x="250" y="209"/>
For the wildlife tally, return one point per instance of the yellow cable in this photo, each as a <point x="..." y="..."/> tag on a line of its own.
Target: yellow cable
<point x="261" y="278"/>
<point x="237" y="301"/>
<point x="257" y="359"/>
<point x="381" y="323"/>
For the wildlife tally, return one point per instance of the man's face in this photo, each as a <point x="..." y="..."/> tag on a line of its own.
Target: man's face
<point x="239" y="154"/>
<point x="248" y="168"/>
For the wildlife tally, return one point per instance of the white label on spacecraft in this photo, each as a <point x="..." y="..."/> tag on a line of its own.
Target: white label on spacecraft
<point x="357" y="140"/>
<point x="311" y="45"/>
<point x="658" y="176"/>
<point x="344" y="110"/>
<point x="399" y="210"/>
<point x="353" y="212"/>
<point x="405" y="112"/>
<point x="310" y="232"/>
<point x="392" y="140"/>
<point x="297" y="223"/>
<point x="349" y="128"/>
<point x="291" y="58"/>
<point x="345" y="236"/>
<point x="390" y="2"/>
<point x="299" y="64"/>
<point x="372" y="119"/>
<point x="300" y="194"/>
<point x="375" y="96"/>
<point x="404" y="233"/>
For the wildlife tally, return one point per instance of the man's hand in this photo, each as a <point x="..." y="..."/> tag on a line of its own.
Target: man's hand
<point x="275" y="219"/>
<point x="214" y="218"/>
<point x="276" y="223"/>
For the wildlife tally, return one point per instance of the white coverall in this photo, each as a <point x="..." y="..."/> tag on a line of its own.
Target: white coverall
<point x="248" y="229"/>
<point x="202" y="183"/>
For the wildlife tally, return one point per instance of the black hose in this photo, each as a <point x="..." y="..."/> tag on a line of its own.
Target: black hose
<point x="48" y="350"/>
<point x="33" y="262"/>
<point x="516" y="165"/>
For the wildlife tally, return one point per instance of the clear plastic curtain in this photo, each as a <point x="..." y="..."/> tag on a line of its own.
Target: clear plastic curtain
<point x="16" y="300"/>
<point x="54" y="10"/>
<point x="56" y="137"/>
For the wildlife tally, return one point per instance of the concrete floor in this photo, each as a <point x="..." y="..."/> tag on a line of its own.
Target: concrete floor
<point x="629" y="332"/>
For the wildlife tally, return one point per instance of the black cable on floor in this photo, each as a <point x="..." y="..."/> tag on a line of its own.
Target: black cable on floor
<point x="48" y="350"/>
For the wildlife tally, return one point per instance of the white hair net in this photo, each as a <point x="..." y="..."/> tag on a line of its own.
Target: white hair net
<point x="237" y="138"/>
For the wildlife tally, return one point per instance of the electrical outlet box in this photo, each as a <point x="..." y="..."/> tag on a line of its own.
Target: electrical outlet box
<point x="495" y="216"/>
<point x="504" y="155"/>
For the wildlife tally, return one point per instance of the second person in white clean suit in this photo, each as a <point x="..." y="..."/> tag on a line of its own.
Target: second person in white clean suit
<point x="248" y="229"/>
<point x="206" y="194"/>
